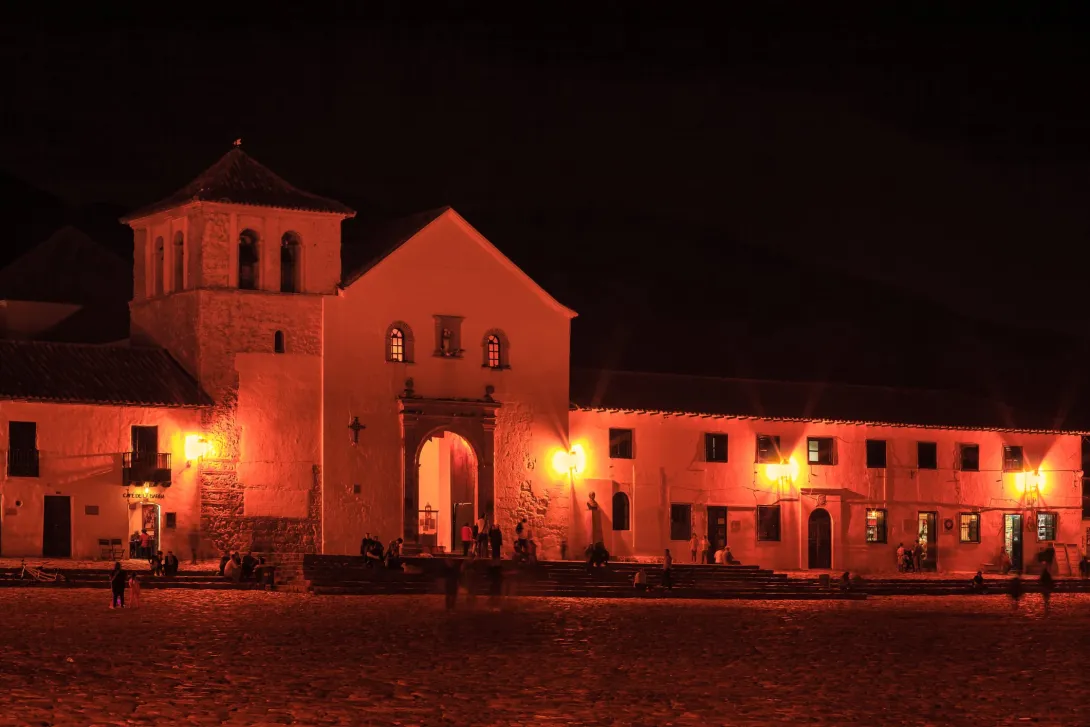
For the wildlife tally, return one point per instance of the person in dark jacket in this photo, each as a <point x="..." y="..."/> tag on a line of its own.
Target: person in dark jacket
<point x="118" y="584"/>
<point x="495" y="536"/>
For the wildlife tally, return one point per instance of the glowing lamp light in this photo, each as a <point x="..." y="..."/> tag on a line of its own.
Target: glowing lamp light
<point x="787" y="471"/>
<point x="146" y="489"/>
<point x="1029" y="483"/>
<point x="573" y="462"/>
<point x="196" y="446"/>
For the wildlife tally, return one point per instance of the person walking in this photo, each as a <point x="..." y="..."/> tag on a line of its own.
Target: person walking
<point x="1047" y="584"/>
<point x="134" y="591"/>
<point x="118" y="583"/>
<point x="482" y="537"/>
<point x="668" y="571"/>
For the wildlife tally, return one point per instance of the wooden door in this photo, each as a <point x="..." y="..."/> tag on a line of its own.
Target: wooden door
<point x="57" y="532"/>
<point x="145" y="446"/>
<point x="821" y="540"/>
<point x="717" y="530"/>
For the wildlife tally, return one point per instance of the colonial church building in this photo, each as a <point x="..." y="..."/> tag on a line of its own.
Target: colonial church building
<point x="281" y="392"/>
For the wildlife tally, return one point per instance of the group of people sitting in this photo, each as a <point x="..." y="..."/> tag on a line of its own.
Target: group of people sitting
<point x="371" y="549"/>
<point x="237" y="569"/>
<point x="163" y="565"/>
<point x="597" y="555"/>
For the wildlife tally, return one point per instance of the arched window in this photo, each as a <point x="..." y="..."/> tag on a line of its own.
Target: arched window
<point x="399" y="343"/>
<point x="620" y="512"/>
<point x="178" y="265"/>
<point x="278" y="342"/>
<point x="247" y="260"/>
<point x="494" y="348"/>
<point x="158" y="261"/>
<point x="291" y="251"/>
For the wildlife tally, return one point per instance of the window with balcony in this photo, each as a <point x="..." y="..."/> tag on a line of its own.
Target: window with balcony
<point x="22" y="449"/>
<point x="145" y="464"/>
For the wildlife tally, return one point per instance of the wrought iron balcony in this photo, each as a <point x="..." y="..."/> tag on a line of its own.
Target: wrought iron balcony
<point x="145" y="468"/>
<point x="22" y="463"/>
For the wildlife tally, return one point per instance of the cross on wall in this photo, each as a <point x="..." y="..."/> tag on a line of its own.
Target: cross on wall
<point x="356" y="428"/>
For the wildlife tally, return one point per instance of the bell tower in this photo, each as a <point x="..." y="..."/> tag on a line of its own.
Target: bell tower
<point x="229" y="276"/>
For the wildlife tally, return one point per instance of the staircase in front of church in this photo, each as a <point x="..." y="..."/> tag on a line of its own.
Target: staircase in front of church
<point x="349" y="575"/>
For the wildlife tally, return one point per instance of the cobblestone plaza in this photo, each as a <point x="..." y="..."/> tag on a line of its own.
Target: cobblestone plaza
<point x="256" y="658"/>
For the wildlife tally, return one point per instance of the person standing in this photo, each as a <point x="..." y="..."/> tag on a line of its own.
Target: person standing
<point x="1047" y="585"/>
<point x="694" y="544"/>
<point x="495" y="535"/>
<point x="705" y="550"/>
<point x="467" y="539"/>
<point x="118" y="583"/>
<point x="900" y="557"/>
<point x="194" y="542"/>
<point x="482" y="537"/>
<point x="134" y="591"/>
<point x="668" y="570"/>
<point x="917" y="555"/>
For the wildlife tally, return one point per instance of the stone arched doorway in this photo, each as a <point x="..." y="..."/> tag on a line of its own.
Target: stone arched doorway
<point x="474" y="422"/>
<point x="820" y="528"/>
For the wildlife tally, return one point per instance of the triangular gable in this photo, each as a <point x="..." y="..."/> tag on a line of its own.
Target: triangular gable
<point x="413" y="231"/>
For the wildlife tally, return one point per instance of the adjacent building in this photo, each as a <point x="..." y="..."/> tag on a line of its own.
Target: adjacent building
<point x="280" y="391"/>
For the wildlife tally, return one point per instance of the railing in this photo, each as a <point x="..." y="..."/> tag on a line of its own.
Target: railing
<point x="22" y="463"/>
<point x="138" y="468"/>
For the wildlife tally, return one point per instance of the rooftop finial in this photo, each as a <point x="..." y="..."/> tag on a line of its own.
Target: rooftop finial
<point x="238" y="143"/>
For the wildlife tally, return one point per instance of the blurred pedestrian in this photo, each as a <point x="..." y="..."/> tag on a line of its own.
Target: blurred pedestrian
<point x="1047" y="584"/>
<point x="118" y="584"/>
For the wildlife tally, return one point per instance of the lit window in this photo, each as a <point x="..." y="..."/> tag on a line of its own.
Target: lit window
<point x="768" y="449"/>
<point x="493" y="352"/>
<point x="620" y="444"/>
<point x="876" y="526"/>
<point x="681" y="522"/>
<point x="768" y="522"/>
<point x="1046" y="525"/>
<point x="927" y="456"/>
<point x="397" y="345"/>
<point x="1013" y="461"/>
<point x="970" y="527"/>
<point x="819" y="450"/>
<point x="969" y="454"/>
<point x="715" y="447"/>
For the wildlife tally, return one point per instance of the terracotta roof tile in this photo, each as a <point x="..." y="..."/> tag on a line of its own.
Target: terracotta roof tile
<point x="238" y="178"/>
<point x="85" y="374"/>
<point x="796" y="401"/>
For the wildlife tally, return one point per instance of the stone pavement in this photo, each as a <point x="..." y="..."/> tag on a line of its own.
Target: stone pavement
<point x="259" y="658"/>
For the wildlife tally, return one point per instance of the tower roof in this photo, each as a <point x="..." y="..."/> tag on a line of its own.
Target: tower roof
<point x="238" y="178"/>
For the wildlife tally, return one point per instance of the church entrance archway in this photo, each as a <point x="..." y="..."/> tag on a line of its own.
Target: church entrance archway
<point x="821" y="539"/>
<point x="446" y="470"/>
<point x="448" y="446"/>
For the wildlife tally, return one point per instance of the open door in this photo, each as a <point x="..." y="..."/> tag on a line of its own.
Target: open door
<point x="928" y="534"/>
<point x="717" y="530"/>
<point x="57" y="532"/>
<point x="1012" y="539"/>
<point x="821" y="540"/>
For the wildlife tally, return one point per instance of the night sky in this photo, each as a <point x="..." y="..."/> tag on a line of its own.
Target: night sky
<point x="794" y="179"/>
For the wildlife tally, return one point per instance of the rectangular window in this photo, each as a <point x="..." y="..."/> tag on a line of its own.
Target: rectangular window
<point x="768" y="522"/>
<point x="819" y="450"/>
<point x="90" y="509"/>
<point x="1086" y="456"/>
<point x="1012" y="459"/>
<point x="969" y="457"/>
<point x="876" y="454"/>
<point x="876" y="526"/>
<point x="715" y="447"/>
<point x="927" y="456"/>
<point x="970" y="527"/>
<point x="620" y="444"/>
<point x="172" y="520"/>
<point x="22" y="449"/>
<point x="1046" y="525"/>
<point x="1086" y="499"/>
<point x="681" y="522"/>
<point x="768" y="449"/>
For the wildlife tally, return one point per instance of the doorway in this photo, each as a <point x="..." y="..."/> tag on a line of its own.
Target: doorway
<point x="447" y="477"/>
<point x="717" y="530"/>
<point x="1012" y="539"/>
<point x="821" y="539"/>
<point x="57" y="531"/>
<point x="927" y="532"/>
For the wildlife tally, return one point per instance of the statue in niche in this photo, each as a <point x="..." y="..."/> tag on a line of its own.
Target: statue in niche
<point x="593" y="520"/>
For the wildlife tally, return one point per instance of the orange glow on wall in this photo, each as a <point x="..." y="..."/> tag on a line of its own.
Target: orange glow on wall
<point x="784" y="472"/>
<point x="572" y="462"/>
<point x="196" y="447"/>
<point x="1031" y="483"/>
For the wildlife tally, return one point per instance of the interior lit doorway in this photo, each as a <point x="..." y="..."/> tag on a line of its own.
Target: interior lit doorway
<point x="1012" y="539"/>
<point x="144" y="516"/>
<point x="927" y="532"/>
<point x="447" y="475"/>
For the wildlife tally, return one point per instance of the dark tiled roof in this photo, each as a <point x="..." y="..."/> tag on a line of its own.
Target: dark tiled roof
<point x="367" y="245"/>
<point x="239" y="179"/>
<point x="81" y="374"/>
<point x="617" y="390"/>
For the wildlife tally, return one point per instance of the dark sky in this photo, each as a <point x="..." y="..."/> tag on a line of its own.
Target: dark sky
<point x="945" y="153"/>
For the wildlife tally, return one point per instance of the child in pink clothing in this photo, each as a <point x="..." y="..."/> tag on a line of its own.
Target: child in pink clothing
<point x="134" y="591"/>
